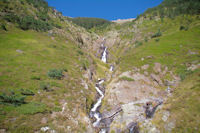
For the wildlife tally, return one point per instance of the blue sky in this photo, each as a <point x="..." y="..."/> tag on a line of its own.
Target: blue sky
<point x="107" y="9"/>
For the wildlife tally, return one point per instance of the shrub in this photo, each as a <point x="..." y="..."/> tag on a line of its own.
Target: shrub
<point x="157" y="40"/>
<point x="29" y="22"/>
<point x="89" y="23"/>
<point x="80" y="52"/>
<point x="184" y="73"/>
<point x="146" y="39"/>
<point x="12" y="98"/>
<point x="27" y="92"/>
<point x="35" y="77"/>
<point x="3" y="27"/>
<point x="45" y="86"/>
<point x="183" y="28"/>
<point x="55" y="73"/>
<point x="157" y="34"/>
<point x="137" y="44"/>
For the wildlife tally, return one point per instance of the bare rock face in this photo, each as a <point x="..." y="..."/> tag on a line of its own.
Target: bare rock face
<point x="156" y="79"/>
<point x="145" y="67"/>
<point x="133" y="127"/>
<point x="157" y="68"/>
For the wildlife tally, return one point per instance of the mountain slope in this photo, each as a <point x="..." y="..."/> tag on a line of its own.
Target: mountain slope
<point x="49" y="67"/>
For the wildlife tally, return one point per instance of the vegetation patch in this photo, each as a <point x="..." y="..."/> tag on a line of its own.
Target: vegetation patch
<point x="89" y="23"/>
<point x="55" y="73"/>
<point x="12" y="98"/>
<point x="31" y="108"/>
<point x="126" y="78"/>
<point x="157" y="34"/>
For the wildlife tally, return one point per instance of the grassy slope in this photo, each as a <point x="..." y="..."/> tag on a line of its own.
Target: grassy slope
<point x="172" y="50"/>
<point x="40" y="54"/>
<point x="172" y="47"/>
<point x="184" y="106"/>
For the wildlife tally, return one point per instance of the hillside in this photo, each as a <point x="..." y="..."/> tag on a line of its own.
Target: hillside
<point x="61" y="74"/>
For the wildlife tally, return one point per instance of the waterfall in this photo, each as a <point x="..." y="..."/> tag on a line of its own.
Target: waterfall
<point x="111" y="68"/>
<point x="103" y="58"/>
<point x="96" y="114"/>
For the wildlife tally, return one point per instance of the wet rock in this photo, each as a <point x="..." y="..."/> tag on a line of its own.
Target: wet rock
<point x="133" y="127"/>
<point x="157" y="79"/>
<point x="150" y="109"/>
<point x="45" y="129"/>
<point x="145" y="67"/>
<point x="157" y="67"/>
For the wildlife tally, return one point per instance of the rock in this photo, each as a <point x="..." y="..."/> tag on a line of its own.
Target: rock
<point x="19" y="51"/>
<point x="44" y="120"/>
<point x="157" y="79"/>
<point x="191" y="52"/>
<point x="193" y="67"/>
<point x="45" y="129"/>
<point x="150" y="109"/>
<point x="149" y="57"/>
<point x="133" y="127"/>
<point x="2" y="130"/>
<point x="157" y="67"/>
<point x="169" y="126"/>
<point x="146" y="73"/>
<point x="166" y="115"/>
<point x="145" y="67"/>
<point x="169" y="83"/>
<point x="52" y="131"/>
<point x="83" y="82"/>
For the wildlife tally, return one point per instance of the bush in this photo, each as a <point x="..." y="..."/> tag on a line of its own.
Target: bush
<point x="27" y="92"/>
<point x="3" y="27"/>
<point x="35" y="77"/>
<point x="183" y="28"/>
<point x="157" y="34"/>
<point x="89" y="23"/>
<point x="55" y="73"/>
<point x="12" y="98"/>
<point x="184" y="73"/>
<point x="137" y="44"/>
<point x="29" y="22"/>
<point x="45" y="86"/>
<point x="157" y="40"/>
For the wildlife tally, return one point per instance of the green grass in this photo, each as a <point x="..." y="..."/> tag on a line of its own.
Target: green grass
<point x="171" y="49"/>
<point x="184" y="106"/>
<point x="25" y="59"/>
<point x="126" y="78"/>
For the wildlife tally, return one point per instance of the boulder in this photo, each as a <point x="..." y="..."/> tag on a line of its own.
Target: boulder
<point x="145" y="67"/>
<point x="157" y="67"/>
<point x="157" y="79"/>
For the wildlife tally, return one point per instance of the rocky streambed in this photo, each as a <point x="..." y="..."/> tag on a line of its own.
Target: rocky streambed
<point x="130" y="104"/>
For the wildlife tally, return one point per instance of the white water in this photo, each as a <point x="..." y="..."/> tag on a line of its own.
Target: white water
<point x="97" y="104"/>
<point x="103" y="58"/>
<point x="111" y="68"/>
